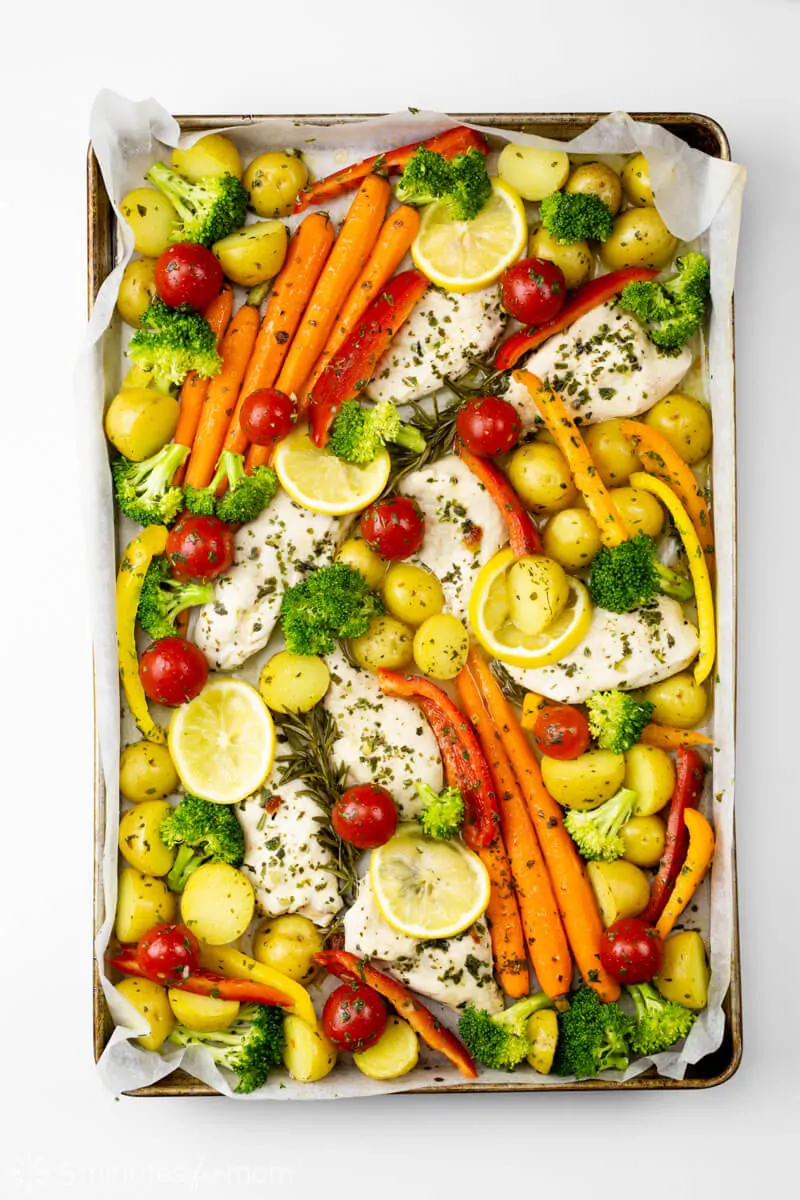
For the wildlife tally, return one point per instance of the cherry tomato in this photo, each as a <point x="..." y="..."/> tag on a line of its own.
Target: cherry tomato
<point x="365" y="816"/>
<point x="200" y="547"/>
<point x="173" y="671"/>
<point x="631" y="951"/>
<point x="267" y="416"/>
<point x="394" y="528"/>
<point x="533" y="291"/>
<point x="188" y="274"/>
<point x="488" y="426"/>
<point x="168" y="952"/>
<point x="354" y="1017"/>
<point x="561" y="731"/>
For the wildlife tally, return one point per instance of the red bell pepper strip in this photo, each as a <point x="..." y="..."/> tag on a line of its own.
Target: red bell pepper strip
<point x="584" y="299"/>
<point x="353" y="365"/>
<point x="523" y="535"/>
<point x="460" y="750"/>
<point x="393" y="162"/>
<point x="350" y="969"/>
<point x="206" y="983"/>
<point x="688" y="788"/>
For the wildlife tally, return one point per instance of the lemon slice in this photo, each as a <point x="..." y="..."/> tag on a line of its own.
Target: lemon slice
<point x="491" y="620"/>
<point x="427" y="888"/>
<point x="463" y="256"/>
<point x="223" y="742"/>
<point x="320" y="481"/>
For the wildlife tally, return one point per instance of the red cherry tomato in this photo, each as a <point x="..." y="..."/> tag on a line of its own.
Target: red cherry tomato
<point x="200" y="547"/>
<point x="188" y="274"/>
<point x="267" y="416"/>
<point x="173" y="671"/>
<point x="354" y="1017"/>
<point x="394" y="528"/>
<point x="488" y="426"/>
<point x="631" y="951"/>
<point x="365" y="816"/>
<point x="561" y="731"/>
<point x="533" y="291"/>
<point x="168" y="952"/>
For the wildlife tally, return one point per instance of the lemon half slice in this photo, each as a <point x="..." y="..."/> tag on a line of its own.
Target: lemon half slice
<point x="427" y="888"/>
<point x="223" y="742"/>
<point x="320" y="481"/>
<point x="463" y="256"/>
<point x="491" y="622"/>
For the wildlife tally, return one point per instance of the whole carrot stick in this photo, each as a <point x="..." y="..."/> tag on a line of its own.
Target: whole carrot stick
<point x="505" y="926"/>
<point x="223" y="392"/>
<point x="573" y="891"/>
<point x="195" y="389"/>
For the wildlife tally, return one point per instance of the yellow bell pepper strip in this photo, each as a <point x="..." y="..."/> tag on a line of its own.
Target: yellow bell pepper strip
<point x="698" y="859"/>
<point x="132" y="570"/>
<point x="227" y="960"/>
<point x="698" y="568"/>
<point x="530" y="709"/>
<point x="667" y="737"/>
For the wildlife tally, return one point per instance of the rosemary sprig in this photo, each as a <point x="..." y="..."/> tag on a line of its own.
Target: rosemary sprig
<point x="512" y="690"/>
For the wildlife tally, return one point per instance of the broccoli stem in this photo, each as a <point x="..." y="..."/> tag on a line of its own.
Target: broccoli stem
<point x="673" y="583"/>
<point x="172" y="186"/>
<point x="411" y="438"/>
<point x="186" y="861"/>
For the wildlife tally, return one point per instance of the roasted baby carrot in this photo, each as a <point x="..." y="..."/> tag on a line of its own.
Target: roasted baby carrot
<point x="505" y="924"/>
<point x="195" y="389"/>
<point x="666" y="737"/>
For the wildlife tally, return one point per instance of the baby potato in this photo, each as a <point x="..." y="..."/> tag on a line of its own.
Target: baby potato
<point x="146" y="772"/>
<point x="621" y="889"/>
<point x="206" y="1014"/>
<point x="217" y="903"/>
<point x="293" y="683"/>
<point x="441" y="646"/>
<point x="254" y="253"/>
<point x="532" y="171"/>
<point x="362" y="558"/>
<point x="140" y="841"/>
<point x="139" y="421"/>
<point x="411" y="593"/>
<point x="539" y="474"/>
<point x="137" y="288"/>
<point x="395" y="1053"/>
<point x="142" y="902"/>
<point x="640" y="511"/>
<point x="538" y="590"/>
<point x="542" y="1031"/>
<point x="636" y="182"/>
<point x="639" y="239"/>
<point x="685" y="423"/>
<point x="585" y="781"/>
<point x="307" y="1053"/>
<point x="152" y="218"/>
<point x="597" y="179"/>
<point x="289" y="944"/>
<point x="684" y="973"/>
<point x="612" y="453"/>
<point x="273" y="181"/>
<point x="644" y="839"/>
<point x="213" y="154"/>
<point x="678" y="701"/>
<point x="149" y="999"/>
<point x="387" y="643"/>
<point x="576" y="261"/>
<point x="572" y="538"/>
<point x="650" y="772"/>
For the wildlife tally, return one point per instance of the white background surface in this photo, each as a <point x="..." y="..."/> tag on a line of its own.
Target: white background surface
<point x="61" y="1133"/>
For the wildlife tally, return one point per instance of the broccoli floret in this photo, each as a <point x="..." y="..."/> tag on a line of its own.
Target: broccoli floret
<point x="461" y="182"/>
<point x="144" y="490"/>
<point x="659" y="1022"/>
<point x="443" y="814"/>
<point x="592" y="1036"/>
<point x="596" y="831"/>
<point x="359" y="434"/>
<point x="245" y="497"/>
<point x="673" y="309"/>
<point x="576" y="216"/>
<point x="334" y="602"/>
<point x="500" y="1040"/>
<point x="172" y="342"/>
<point x="203" y="832"/>
<point x="251" y="1047"/>
<point x="628" y="576"/>
<point x="209" y="209"/>
<point x="617" y="720"/>
<point x="163" y="597"/>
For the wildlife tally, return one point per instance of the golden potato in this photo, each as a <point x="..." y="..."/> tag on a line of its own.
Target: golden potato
<point x="206" y="1014"/>
<point x="362" y="558"/>
<point x="585" y="781"/>
<point x="395" y="1053"/>
<point x="217" y="903"/>
<point x="621" y="889"/>
<point x="612" y="453"/>
<point x="140" y="841"/>
<point x="136" y="290"/>
<point x="685" y="423"/>
<point x="636" y="182"/>
<point x="678" y="701"/>
<point x="597" y="179"/>
<point x="254" y="253"/>
<point x="441" y="646"/>
<point x="644" y="839"/>
<point x="542" y="1031"/>
<point x="152" y="218"/>
<point x="293" y="683"/>
<point x="639" y="239"/>
<point x="139" y="421"/>
<point x="142" y="902"/>
<point x="576" y="261"/>
<point x="147" y="772"/>
<point x="541" y="477"/>
<point x="532" y="171"/>
<point x="572" y="538"/>
<point x="650" y="772"/>
<point x="538" y="591"/>
<point x="149" y="999"/>
<point x="289" y="944"/>
<point x="213" y="154"/>
<point x="412" y="593"/>
<point x="684" y="973"/>
<point x="640" y="511"/>
<point x="273" y="181"/>
<point x="307" y="1053"/>
<point x="387" y="643"/>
